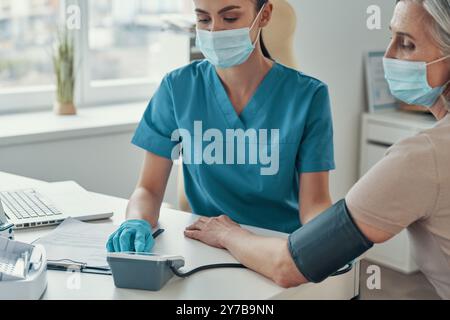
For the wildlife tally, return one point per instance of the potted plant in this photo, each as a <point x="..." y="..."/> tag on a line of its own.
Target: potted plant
<point x="64" y="67"/>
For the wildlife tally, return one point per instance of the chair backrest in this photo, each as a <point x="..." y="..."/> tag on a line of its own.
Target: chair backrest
<point x="279" y="40"/>
<point x="279" y="35"/>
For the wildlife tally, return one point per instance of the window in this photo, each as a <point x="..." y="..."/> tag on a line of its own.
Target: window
<point x="126" y="38"/>
<point x="131" y="45"/>
<point x="26" y="30"/>
<point x="124" y="48"/>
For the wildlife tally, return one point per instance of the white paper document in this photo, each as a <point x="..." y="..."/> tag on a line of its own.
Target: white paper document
<point x="78" y="242"/>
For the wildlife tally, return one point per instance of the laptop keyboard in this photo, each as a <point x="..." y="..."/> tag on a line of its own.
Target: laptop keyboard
<point x="26" y="204"/>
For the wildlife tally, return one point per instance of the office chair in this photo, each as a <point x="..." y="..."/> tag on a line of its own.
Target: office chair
<point x="279" y="40"/>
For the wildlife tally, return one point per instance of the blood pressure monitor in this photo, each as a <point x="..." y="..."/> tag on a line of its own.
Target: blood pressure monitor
<point x="144" y="271"/>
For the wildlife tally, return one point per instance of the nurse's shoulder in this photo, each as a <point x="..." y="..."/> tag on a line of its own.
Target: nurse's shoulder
<point x="188" y="74"/>
<point x="301" y="81"/>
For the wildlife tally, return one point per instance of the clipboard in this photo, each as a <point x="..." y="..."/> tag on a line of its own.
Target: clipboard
<point x="65" y="265"/>
<point x="80" y="265"/>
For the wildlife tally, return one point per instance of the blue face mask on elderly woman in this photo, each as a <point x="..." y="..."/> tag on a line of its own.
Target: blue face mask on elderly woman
<point x="408" y="81"/>
<point x="228" y="48"/>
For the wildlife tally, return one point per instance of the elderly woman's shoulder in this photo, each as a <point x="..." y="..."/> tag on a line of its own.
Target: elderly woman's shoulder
<point x="427" y="152"/>
<point x="418" y="149"/>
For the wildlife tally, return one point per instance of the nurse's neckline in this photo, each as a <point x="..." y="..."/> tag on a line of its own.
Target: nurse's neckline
<point x="223" y="94"/>
<point x="274" y="65"/>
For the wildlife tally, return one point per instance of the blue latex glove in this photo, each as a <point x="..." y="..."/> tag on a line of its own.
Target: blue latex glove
<point x="132" y="236"/>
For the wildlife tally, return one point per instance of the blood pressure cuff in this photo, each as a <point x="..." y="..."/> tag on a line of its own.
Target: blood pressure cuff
<point x="327" y="243"/>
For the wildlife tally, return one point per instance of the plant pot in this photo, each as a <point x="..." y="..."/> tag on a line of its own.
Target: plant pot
<point x="64" y="108"/>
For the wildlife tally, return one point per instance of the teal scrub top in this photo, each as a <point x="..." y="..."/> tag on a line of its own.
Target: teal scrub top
<point x="290" y="101"/>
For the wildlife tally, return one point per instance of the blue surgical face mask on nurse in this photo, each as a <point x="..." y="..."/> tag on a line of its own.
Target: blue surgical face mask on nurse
<point x="408" y="81"/>
<point x="228" y="48"/>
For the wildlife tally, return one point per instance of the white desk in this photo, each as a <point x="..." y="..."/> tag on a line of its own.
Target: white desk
<point x="216" y="284"/>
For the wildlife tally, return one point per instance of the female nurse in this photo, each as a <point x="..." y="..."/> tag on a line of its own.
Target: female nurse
<point x="279" y="114"/>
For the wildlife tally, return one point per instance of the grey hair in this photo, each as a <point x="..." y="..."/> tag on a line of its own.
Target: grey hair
<point x="439" y="10"/>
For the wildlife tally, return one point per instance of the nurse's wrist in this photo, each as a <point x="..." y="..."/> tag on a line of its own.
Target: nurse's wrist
<point x="151" y="219"/>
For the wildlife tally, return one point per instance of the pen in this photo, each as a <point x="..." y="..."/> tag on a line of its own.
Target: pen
<point x="157" y="233"/>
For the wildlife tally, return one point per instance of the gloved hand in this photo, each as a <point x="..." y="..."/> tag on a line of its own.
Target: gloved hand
<point x="132" y="236"/>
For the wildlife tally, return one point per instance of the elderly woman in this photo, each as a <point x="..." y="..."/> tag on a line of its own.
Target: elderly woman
<point x="409" y="188"/>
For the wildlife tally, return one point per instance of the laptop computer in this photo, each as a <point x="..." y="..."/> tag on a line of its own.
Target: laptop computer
<point x="50" y="204"/>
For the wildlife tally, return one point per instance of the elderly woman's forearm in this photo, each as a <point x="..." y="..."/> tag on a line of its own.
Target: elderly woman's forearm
<point x="267" y="256"/>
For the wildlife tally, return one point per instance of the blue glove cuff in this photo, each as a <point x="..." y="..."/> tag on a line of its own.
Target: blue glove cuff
<point x="142" y="222"/>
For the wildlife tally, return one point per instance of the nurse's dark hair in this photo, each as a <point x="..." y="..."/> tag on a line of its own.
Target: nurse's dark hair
<point x="259" y="5"/>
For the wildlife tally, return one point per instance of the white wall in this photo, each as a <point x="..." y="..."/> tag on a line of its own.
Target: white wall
<point x="331" y="40"/>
